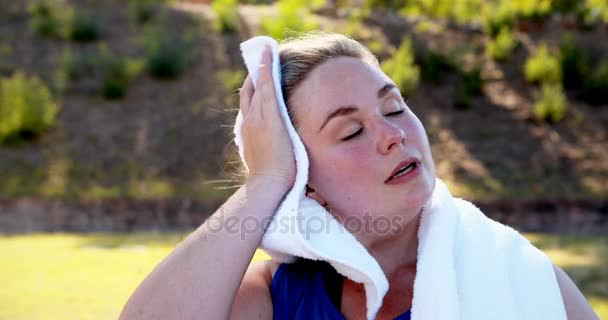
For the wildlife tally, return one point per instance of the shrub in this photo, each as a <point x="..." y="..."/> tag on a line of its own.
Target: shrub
<point x="575" y="64"/>
<point x="26" y="107"/>
<point x="116" y="73"/>
<point x="566" y="6"/>
<point x="231" y="79"/>
<point x="227" y="15"/>
<point x="543" y="67"/>
<point x="74" y="65"/>
<point x="464" y="11"/>
<point x="500" y="47"/>
<point x="167" y="55"/>
<point x="470" y="85"/>
<point x="595" y="11"/>
<point x="434" y="66"/>
<point x="390" y="4"/>
<point x="596" y="86"/>
<point x="355" y="20"/>
<point x="401" y="68"/>
<point x="459" y="11"/>
<point x="142" y="11"/>
<point x="293" y="16"/>
<point x="552" y="103"/>
<point x="83" y="27"/>
<point x="5" y="52"/>
<point x="533" y="10"/>
<point x="498" y="16"/>
<point x="45" y="18"/>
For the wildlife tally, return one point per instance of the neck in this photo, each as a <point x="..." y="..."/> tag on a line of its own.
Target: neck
<point x="399" y="249"/>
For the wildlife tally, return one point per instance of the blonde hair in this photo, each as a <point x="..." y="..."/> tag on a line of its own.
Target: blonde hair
<point x="301" y="54"/>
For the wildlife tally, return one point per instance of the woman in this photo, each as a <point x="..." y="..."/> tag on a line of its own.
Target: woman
<point x="357" y="130"/>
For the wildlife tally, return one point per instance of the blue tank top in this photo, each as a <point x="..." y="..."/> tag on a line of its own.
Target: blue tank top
<point x="307" y="290"/>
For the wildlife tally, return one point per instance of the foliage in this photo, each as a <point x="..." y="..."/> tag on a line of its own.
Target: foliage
<point x="565" y="6"/>
<point x="596" y="11"/>
<point x="596" y="86"/>
<point x="74" y="65"/>
<point x="46" y="18"/>
<point x="355" y="21"/>
<point x="116" y="73"/>
<point x="532" y="10"/>
<point x="83" y="27"/>
<point x="376" y="46"/>
<point x="293" y="17"/>
<point x="575" y="65"/>
<point x="434" y="66"/>
<point x="470" y="85"/>
<point x="167" y="54"/>
<point x="389" y="4"/>
<point x="552" y="104"/>
<point x="401" y="68"/>
<point x="231" y="80"/>
<point x="501" y="47"/>
<point x="465" y="11"/>
<point x="5" y="52"/>
<point x="109" y="72"/>
<point x="460" y="11"/>
<point x="142" y="11"/>
<point x="543" y="67"/>
<point x="494" y="15"/>
<point x="227" y="15"/>
<point x="26" y="107"/>
<point x="498" y="16"/>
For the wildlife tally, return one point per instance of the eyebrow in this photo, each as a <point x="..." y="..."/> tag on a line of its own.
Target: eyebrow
<point x="349" y="109"/>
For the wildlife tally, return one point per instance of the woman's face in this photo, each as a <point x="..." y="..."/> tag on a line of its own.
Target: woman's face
<point x="358" y="130"/>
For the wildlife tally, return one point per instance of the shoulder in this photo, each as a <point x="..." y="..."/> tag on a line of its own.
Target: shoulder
<point x="576" y="305"/>
<point x="253" y="298"/>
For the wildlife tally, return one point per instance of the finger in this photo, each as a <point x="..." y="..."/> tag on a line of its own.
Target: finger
<point x="245" y="95"/>
<point x="264" y="77"/>
<point x="254" y="109"/>
<point x="266" y="86"/>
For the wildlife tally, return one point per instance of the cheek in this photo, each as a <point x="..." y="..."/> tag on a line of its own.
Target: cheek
<point x="344" y="164"/>
<point x="354" y="171"/>
<point x="416" y="133"/>
<point x="343" y="172"/>
<point x="419" y="138"/>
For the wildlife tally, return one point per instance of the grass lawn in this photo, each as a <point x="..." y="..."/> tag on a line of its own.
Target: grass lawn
<point x="74" y="276"/>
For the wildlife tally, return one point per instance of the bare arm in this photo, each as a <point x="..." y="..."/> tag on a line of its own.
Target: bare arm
<point x="202" y="275"/>
<point x="253" y="300"/>
<point x="576" y="305"/>
<point x="200" y="278"/>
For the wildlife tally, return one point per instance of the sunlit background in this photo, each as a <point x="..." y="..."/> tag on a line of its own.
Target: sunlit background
<point x="116" y="126"/>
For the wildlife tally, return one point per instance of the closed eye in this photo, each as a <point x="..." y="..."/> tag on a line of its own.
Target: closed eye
<point x="361" y="129"/>
<point x="396" y="113"/>
<point x="353" y="135"/>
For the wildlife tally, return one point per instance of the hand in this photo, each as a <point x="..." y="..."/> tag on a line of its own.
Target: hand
<point x="267" y="148"/>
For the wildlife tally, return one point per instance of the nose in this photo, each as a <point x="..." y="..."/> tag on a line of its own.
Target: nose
<point x="389" y="134"/>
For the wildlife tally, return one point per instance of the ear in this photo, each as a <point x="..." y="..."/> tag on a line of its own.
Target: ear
<point x="311" y="193"/>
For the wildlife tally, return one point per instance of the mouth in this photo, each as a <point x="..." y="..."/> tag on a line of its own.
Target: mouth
<point x="404" y="168"/>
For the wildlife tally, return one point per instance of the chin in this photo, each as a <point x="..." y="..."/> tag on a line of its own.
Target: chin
<point x="423" y="192"/>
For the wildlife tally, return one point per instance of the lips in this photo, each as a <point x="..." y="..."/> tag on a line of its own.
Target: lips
<point x="403" y="164"/>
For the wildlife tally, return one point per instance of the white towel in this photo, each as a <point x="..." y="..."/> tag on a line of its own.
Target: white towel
<point x="469" y="267"/>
